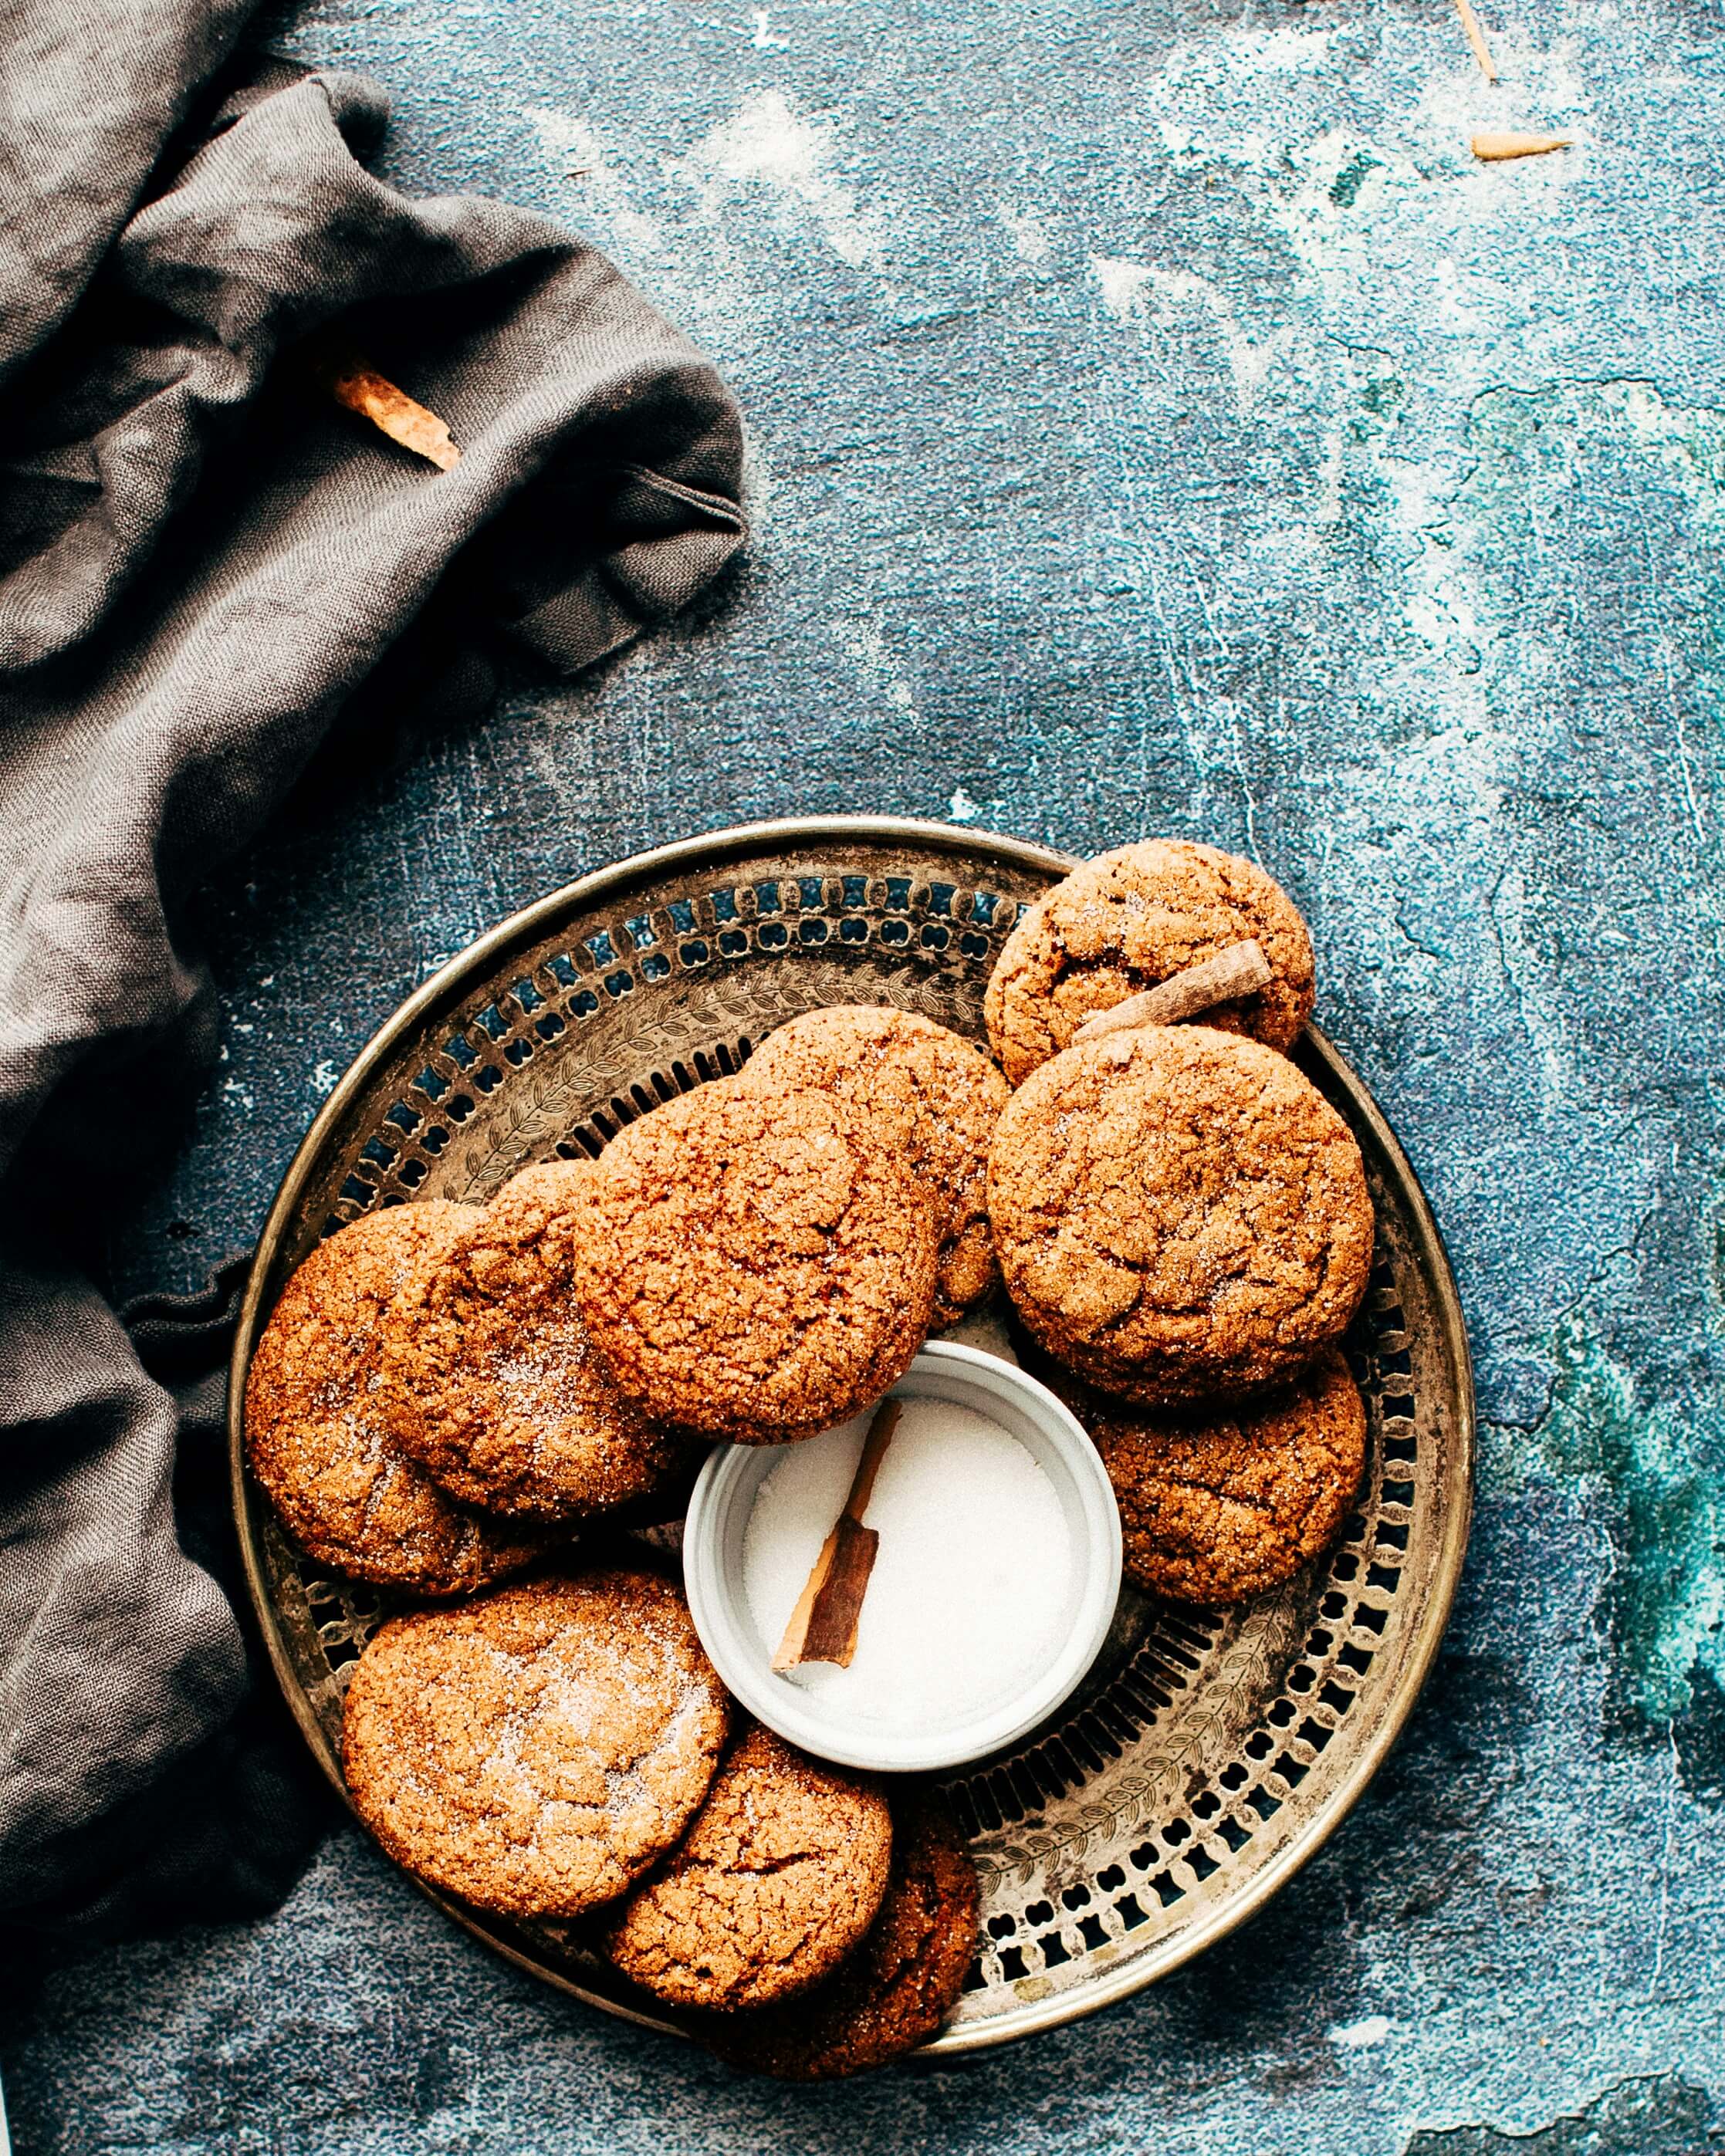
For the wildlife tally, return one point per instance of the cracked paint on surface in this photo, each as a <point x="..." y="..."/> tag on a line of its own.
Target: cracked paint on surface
<point x="1157" y="420"/>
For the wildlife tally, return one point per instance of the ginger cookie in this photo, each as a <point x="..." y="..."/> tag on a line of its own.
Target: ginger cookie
<point x="537" y="1750"/>
<point x="495" y="1385"/>
<point x="937" y="1098"/>
<point x="315" y="1434"/>
<point x="1216" y="1507"/>
<point x="1126" y="921"/>
<point x="897" y="1987"/>
<point x="1179" y="1213"/>
<point x="777" y="1879"/>
<point x="754" y="1266"/>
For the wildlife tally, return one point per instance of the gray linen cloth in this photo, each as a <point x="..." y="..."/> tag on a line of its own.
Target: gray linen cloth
<point x="201" y="561"/>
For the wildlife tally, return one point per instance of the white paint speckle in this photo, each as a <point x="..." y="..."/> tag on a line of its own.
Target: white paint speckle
<point x="1123" y="283"/>
<point x="864" y="639"/>
<point x="1172" y="299"/>
<point x="1026" y="232"/>
<point x="768" y="142"/>
<point x="577" y="156"/>
<point x="1359" y="2036"/>
<point x="962" y="809"/>
<point x="323" y="1078"/>
<point x="755" y="30"/>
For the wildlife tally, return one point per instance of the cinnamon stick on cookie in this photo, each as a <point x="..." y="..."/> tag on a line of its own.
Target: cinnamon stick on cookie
<point x="1240" y="970"/>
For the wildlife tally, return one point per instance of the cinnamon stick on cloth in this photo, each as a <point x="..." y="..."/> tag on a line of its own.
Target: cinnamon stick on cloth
<point x="352" y="380"/>
<point x="202" y="559"/>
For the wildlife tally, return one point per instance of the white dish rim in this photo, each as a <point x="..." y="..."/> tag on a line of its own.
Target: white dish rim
<point x="728" y="1636"/>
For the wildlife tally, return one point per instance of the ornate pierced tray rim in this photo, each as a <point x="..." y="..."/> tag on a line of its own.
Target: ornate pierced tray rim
<point x="715" y="848"/>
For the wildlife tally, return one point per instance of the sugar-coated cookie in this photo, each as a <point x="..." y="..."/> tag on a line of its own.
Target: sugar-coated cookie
<point x="1214" y="1507"/>
<point x="935" y="1095"/>
<point x="536" y="1750"/>
<point x="1126" y="921"/>
<point x="490" y="1375"/>
<point x="1179" y="1213"/>
<point x="317" y="1436"/>
<point x="778" y="1877"/>
<point x="753" y="1266"/>
<point x="899" y="1985"/>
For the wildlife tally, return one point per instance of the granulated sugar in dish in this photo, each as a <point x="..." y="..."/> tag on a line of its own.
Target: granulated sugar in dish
<point x="971" y="1581"/>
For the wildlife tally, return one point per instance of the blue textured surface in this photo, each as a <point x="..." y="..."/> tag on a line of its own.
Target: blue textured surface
<point x="1159" y="422"/>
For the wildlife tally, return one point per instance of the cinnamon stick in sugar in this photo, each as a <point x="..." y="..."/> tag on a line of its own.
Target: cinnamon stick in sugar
<point x="823" y="1626"/>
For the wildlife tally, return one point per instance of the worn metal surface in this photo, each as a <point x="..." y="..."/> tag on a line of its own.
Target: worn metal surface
<point x="1158" y="423"/>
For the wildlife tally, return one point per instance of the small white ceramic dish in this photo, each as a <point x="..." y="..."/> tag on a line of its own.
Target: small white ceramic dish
<point x="817" y="1721"/>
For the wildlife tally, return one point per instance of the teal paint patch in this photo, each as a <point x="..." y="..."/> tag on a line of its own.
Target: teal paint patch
<point x="1661" y="1467"/>
<point x="1348" y="181"/>
<point x="1698" y="1743"/>
<point x="1662" y="2115"/>
<point x="1378" y="407"/>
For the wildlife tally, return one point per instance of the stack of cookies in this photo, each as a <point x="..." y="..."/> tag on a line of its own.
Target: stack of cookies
<point x="446" y="1393"/>
<point x="1181" y="1219"/>
<point x="444" y="1389"/>
<point x="562" y="1748"/>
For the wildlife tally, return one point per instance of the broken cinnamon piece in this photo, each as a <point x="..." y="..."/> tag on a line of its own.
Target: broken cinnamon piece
<point x="1476" y="38"/>
<point x="823" y="1626"/>
<point x="1240" y="970"/>
<point x="1492" y="147"/>
<point x="351" y="380"/>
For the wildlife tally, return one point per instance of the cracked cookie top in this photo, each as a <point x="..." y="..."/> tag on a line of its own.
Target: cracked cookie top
<point x="494" y="1384"/>
<point x="777" y="1879"/>
<point x="756" y="1266"/>
<point x="1126" y="921"/>
<point x="898" y="1986"/>
<point x="1179" y="1213"/>
<point x="1216" y="1507"/>
<point x="317" y="1435"/>
<point x="537" y="1750"/>
<point x="935" y="1096"/>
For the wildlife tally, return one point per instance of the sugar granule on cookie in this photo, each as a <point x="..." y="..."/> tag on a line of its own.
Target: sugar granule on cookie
<point x="1179" y="1213"/>
<point x="316" y="1434"/>
<point x="536" y="1750"/>
<point x="494" y="1383"/>
<point x="900" y="1984"/>
<point x="778" y="1877"/>
<point x="1126" y="921"/>
<point x="935" y="1096"/>
<point x="757" y="1266"/>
